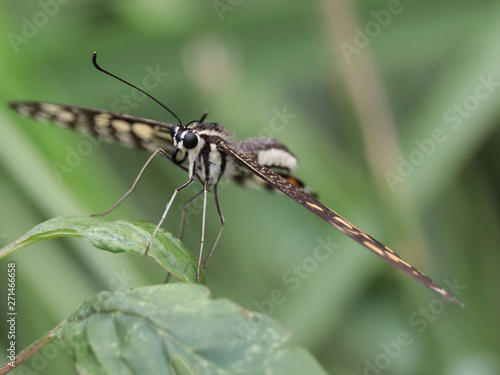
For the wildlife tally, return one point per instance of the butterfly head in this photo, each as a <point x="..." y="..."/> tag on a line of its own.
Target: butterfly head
<point x="186" y="141"/>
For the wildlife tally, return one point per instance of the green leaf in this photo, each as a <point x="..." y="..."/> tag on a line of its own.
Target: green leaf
<point x="116" y="237"/>
<point x="176" y="328"/>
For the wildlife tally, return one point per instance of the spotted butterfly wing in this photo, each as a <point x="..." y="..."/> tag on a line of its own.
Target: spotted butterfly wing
<point x="127" y="130"/>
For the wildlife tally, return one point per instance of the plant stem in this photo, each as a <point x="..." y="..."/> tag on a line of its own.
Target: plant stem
<point x="28" y="352"/>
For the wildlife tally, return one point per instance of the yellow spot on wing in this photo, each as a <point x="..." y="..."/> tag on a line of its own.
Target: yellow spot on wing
<point x="374" y="248"/>
<point x="143" y="131"/>
<point x="315" y="206"/>
<point x="343" y="221"/>
<point x="389" y="250"/>
<point x="121" y="126"/>
<point x="397" y="259"/>
<point x="102" y="119"/>
<point x="387" y="253"/>
<point x="65" y="116"/>
<point x="53" y="109"/>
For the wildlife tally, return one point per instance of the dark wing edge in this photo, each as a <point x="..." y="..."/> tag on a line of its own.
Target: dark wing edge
<point x="334" y="219"/>
<point x="110" y="126"/>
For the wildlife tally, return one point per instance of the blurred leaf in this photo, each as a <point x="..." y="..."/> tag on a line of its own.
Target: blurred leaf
<point x="116" y="237"/>
<point x="171" y="329"/>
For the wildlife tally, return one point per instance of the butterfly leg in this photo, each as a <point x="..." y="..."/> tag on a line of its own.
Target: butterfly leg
<point x="221" y="218"/>
<point x="184" y="210"/>
<point x="183" y="221"/>
<point x="202" y="240"/>
<point x="131" y="190"/>
<point x="222" y="222"/>
<point x="191" y="180"/>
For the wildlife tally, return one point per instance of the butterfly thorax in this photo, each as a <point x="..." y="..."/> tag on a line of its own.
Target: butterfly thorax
<point x="208" y="163"/>
<point x="204" y="159"/>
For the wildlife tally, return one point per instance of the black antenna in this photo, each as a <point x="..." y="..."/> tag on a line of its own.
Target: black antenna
<point x="94" y="61"/>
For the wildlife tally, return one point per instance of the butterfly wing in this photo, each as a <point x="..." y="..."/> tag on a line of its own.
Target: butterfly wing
<point x="309" y="202"/>
<point x="112" y="127"/>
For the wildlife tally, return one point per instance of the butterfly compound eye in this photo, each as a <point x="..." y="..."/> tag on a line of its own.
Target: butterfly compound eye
<point x="190" y="140"/>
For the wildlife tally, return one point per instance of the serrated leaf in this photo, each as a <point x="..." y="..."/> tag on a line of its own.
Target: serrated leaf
<point x="118" y="236"/>
<point x="172" y="329"/>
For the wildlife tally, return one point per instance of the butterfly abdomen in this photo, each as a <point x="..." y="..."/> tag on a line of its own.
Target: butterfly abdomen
<point x="273" y="155"/>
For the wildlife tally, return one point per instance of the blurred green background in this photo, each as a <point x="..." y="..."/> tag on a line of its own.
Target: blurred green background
<point x="392" y="108"/>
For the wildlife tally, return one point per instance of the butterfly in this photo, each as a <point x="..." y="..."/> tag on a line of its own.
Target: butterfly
<point x="209" y="153"/>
